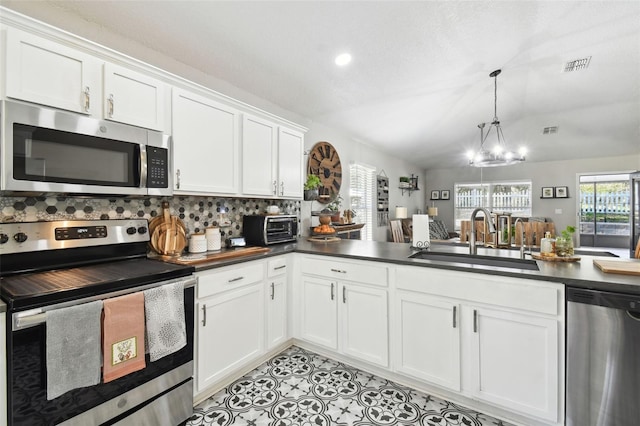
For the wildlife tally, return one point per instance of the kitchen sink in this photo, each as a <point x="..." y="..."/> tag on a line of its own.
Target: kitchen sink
<point x="499" y="262"/>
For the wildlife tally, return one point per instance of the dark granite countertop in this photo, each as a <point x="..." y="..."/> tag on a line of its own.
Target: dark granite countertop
<point x="582" y="274"/>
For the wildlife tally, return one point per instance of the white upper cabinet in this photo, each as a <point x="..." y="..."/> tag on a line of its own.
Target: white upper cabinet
<point x="290" y="164"/>
<point x="53" y="74"/>
<point x="133" y="98"/>
<point x="259" y="150"/>
<point x="49" y="73"/>
<point x="271" y="159"/>
<point x="205" y="145"/>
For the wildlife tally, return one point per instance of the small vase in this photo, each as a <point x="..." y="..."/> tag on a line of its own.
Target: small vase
<point x="564" y="246"/>
<point x="310" y="194"/>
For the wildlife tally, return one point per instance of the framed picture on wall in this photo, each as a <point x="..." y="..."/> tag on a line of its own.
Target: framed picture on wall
<point x="562" y="192"/>
<point x="444" y="194"/>
<point x="435" y="195"/>
<point x="547" y="192"/>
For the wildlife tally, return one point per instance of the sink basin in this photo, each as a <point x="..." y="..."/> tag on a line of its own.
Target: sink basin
<point x="499" y="262"/>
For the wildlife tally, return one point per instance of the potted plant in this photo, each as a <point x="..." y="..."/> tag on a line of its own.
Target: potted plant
<point x="564" y="242"/>
<point x="334" y="206"/>
<point x="311" y="187"/>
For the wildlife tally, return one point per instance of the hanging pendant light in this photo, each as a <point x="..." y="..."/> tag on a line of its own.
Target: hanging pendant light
<point x="498" y="155"/>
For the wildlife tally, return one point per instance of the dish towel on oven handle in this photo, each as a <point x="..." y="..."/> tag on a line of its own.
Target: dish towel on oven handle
<point x="164" y="311"/>
<point x="123" y="336"/>
<point x="73" y="348"/>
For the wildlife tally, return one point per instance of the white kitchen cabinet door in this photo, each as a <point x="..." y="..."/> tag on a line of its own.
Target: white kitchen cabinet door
<point x="364" y="323"/>
<point x="49" y="73"/>
<point x="319" y="319"/>
<point x="515" y="361"/>
<point x="230" y="332"/>
<point x="133" y="98"/>
<point x="205" y="145"/>
<point x="276" y="311"/>
<point x="428" y="339"/>
<point x="290" y="164"/>
<point x="259" y="148"/>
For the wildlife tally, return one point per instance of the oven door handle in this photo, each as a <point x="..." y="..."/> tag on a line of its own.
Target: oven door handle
<point x="38" y="316"/>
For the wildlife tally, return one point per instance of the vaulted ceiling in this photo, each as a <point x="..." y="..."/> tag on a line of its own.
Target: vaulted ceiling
<point x="418" y="84"/>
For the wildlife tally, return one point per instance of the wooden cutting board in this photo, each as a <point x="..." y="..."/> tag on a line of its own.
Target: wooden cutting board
<point x="626" y="267"/>
<point x="225" y="254"/>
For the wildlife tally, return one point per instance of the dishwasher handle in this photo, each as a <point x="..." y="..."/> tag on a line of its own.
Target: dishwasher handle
<point x="607" y="299"/>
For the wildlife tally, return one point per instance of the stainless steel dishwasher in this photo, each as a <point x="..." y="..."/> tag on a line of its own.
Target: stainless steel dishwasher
<point x="603" y="358"/>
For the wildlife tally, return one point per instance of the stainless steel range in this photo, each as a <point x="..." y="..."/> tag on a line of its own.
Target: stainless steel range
<point x="47" y="266"/>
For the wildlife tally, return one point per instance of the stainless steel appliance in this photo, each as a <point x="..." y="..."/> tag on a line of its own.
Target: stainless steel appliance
<point x="635" y="211"/>
<point x="266" y="230"/>
<point x="52" y="265"/>
<point x="603" y="358"/>
<point x="51" y="151"/>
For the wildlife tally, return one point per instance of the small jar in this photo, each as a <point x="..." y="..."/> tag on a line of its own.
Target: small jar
<point x="214" y="239"/>
<point x="197" y="243"/>
<point x="547" y="244"/>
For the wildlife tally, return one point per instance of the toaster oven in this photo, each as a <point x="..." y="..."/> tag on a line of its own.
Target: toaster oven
<point x="264" y="230"/>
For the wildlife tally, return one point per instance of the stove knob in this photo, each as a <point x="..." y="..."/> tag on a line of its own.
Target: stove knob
<point x="20" y="237"/>
<point x="131" y="230"/>
<point x="142" y="230"/>
<point x="4" y="238"/>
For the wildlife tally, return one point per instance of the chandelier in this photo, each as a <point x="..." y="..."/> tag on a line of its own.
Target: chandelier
<point x="498" y="155"/>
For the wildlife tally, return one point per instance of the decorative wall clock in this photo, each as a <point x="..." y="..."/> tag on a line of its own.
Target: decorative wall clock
<point x="324" y="162"/>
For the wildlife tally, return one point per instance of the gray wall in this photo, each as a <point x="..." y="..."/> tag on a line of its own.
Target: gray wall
<point x="551" y="173"/>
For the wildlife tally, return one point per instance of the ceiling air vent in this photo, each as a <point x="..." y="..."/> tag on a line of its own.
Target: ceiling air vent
<point x="550" y="130"/>
<point x="577" y="64"/>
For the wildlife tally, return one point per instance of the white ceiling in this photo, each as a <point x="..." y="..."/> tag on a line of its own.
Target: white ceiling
<point x="419" y="82"/>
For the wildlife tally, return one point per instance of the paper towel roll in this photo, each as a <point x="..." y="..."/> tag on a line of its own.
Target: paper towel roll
<point x="420" y="238"/>
<point x="401" y="212"/>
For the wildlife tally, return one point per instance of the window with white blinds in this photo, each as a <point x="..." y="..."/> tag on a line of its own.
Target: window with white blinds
<point x="362" y="184"/>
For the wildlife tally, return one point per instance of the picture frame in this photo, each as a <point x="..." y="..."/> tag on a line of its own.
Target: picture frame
<point x="444" y="194"/>
<point x="435" y="195"/>
<point x="561" y="192"/>
<point x="547" y="192"/>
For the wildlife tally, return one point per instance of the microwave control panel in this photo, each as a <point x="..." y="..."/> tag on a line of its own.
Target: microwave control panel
<point x="157" y="167"/>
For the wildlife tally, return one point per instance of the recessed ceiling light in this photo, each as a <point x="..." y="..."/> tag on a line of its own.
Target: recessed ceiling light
<point x="343" y="59"/>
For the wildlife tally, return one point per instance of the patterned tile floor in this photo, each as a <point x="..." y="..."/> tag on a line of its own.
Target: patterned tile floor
<point x="300" y="388"/>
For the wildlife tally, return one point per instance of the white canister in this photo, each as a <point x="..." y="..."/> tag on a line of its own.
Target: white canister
<point x="197" y="243"/>
<point x="214" y="239"/>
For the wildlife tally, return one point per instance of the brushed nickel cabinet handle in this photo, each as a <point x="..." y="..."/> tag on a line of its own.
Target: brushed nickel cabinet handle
<point x="332" y="295"/>
<point x="340" y="271"/>
<point x="273" y="291"/>
<point x="178" y="179"/>
<point x="279" y="267"/>
<point x="111" y="105"/>
<point x="475" y="320"/>
<point x="344" y="294"/>
<point x="232" y="280"/>
<point x="281" y="188"/>
<point x="455" y="308"/>
<point x="204" y="315"/>
<point x="275" y="187"/>
<point x="87" y="99"/>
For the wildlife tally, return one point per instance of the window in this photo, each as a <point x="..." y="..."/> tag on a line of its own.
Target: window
<point x="503" y="197"/>
<point x="362" y="191"/>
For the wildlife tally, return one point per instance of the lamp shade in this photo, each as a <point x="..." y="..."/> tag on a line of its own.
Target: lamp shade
<point x="401" y="212"/>
<point x="432" y="211"/>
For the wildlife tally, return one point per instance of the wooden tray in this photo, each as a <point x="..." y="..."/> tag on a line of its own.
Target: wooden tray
<point x="625" y="267"/>
<point x="327" y="239"/>
<point x="225" y="254"/>
<point x="556" y="258"/>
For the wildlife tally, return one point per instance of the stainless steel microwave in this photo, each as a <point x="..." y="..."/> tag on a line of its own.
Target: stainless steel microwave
<point x="44" y="150"/>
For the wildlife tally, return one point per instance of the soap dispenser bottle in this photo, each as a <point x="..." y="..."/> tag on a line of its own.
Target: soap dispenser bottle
<point x="547" y="245"/>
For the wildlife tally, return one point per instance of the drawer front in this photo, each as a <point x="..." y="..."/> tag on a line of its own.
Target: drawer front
<point x="523" y="294"/>
<point x="366" y="272"/>
<point x="277" y="266"/>
<point x="230" y="277"/>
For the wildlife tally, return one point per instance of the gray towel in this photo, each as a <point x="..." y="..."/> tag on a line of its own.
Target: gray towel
<point x="165" y="323"/>
<point x="73" y="348"/>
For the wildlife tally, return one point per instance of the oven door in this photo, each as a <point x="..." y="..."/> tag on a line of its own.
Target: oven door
<point x="163" y="388"/>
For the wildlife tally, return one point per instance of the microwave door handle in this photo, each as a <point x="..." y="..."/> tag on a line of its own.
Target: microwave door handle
<point x="142" y="167"/>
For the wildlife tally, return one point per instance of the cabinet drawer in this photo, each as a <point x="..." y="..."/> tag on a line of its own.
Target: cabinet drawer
<point x="365" y="272"/>
<point x="277" y="266"/>
<point x="227" y="278"/>
<point x="523" y="294"/>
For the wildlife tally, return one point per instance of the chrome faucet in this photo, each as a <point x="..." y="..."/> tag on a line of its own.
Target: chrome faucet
<point x="515" y="227"/>
<point x="472" y="237"/>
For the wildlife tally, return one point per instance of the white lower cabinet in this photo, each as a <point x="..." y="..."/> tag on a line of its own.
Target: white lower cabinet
<point x="429" y="338"/>
<point x="230" y="317"/>
<point x="276" y="303"/>
<point x="494" y="339"/>
<point x="343" y="315"/>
